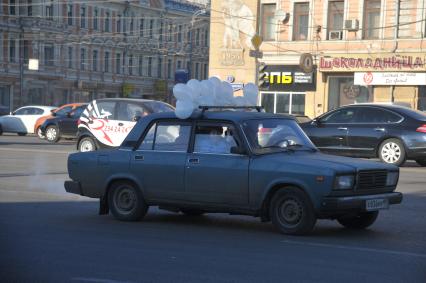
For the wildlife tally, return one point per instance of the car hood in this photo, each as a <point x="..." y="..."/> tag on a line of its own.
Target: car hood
<point x="335" y="163"/>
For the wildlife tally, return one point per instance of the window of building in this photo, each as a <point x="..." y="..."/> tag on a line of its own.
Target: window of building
<point x="69" y="14"/>
<point x="342" y="91"/>
<point x="132" y="23"/>
<point x="206" y="39"/>
<point x="141" y="27"/>
<point x="179" y="64"/>
<point x="140" y="69"/>
<point x="131" y="65"/>
<point x="268" y="23"/>
<point x="149" y="66"/>
<point x="12" y="50"/>
<point x="106" y="62"/>
<point x="180" y="33"/>
<point x="83" y="17"/>
<point x="48" y="55"/>
<point x="49" y="10"/>
<point x="12" y="7"/>
<point x="124" y="24"/>
<point x="301" y="21"/>
<point x="82" y="58"/>
<point x="161" y="32"/>
<point x="29" y="8"/>
<point x="70" y="57"/>
<point x="107" y="21"/>
<point x="117" y="63"/>
<point x="169" y="68"/>
<point x="284" y="102"/>
<point x="26" y="51"/>
<point x="197" y="37"/>
<point x="151" y="28"/>
<point x="169" y="32"/>
<point x="206" y="72"/>
<point x="160" y="68"/>
<point x="197" y="70"/>
<point x="95" y="19"/>
<point x="371" y="19"/>
<point x="335" y="17"/>
<point x="95" y="61"/>
<point x="118" y="27"/>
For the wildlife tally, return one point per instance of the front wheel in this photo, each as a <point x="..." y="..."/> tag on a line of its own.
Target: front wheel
<point x="359" y="221"/>
<point x="292" y="212"/>
<point x="86" y="144"/>
<point x="392" y="151"/>
<point x="421" y="162"/>
<point x="52" y="134"/>
<point x="126" y="202"/>
<point x="40" y="134"/>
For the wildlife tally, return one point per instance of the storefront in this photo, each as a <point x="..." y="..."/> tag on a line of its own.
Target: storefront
<point x="287" y="89"/>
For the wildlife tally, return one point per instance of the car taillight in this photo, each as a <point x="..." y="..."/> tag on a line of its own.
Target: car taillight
<point x="421" y="129"/>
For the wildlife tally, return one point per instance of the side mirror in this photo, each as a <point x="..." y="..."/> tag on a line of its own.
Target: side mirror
<point x="315" y="122"/>
<point x="238" y="150"/>
<point x="136" y="118"/>
<point x="54" y="114"/>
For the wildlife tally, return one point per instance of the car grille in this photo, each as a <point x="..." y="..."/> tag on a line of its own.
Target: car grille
<point x="368" y="180"/>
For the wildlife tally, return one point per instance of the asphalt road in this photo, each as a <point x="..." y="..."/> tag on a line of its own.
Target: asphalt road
<point x="47" y="235"/>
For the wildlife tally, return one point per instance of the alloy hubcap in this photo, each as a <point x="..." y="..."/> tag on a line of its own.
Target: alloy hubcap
<point x="391" y="152"/>
<point x="86" y="146"/>
<point x="51" y="134"/>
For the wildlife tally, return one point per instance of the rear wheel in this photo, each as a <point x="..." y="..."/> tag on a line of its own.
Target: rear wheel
<point x="40" y="134"/>
<point x="86" y="144"/>
<point x="52" y="134"/>
<point x="126" y="201"/>
<point x="359" y="221"/>
<point x="292" y="212"/>
<point x="421" y="162"/>
<point x="392" y="151"/>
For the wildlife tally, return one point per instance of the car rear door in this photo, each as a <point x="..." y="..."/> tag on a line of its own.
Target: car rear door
<point x="214" y="175"/>
<point x="159" y="161"/>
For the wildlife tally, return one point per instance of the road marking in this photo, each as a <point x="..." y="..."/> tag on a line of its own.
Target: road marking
<point x="98" y="280"/>
<point x="361" y="249"/>
<point x="34" y="150"/>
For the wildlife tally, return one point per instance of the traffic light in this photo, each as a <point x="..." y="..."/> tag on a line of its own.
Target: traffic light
<point x="263" y="78"/>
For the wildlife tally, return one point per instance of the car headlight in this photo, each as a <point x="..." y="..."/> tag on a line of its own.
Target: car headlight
<point x="392" y="178"/>
<point x="345" y="182"/>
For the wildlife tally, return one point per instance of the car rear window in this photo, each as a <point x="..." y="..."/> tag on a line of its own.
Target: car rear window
<point x="158" y="107"/>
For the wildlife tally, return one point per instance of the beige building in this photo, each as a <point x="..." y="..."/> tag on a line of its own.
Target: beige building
<point x="362" y="51"/>
<point x="95" y="49"/>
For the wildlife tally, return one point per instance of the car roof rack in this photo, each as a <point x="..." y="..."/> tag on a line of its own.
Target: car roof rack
<point x="205" y="108"/>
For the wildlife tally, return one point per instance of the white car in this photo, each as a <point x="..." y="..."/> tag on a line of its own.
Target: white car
<point x="23" y="119"/>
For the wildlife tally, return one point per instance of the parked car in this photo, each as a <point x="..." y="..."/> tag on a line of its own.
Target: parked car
<point x="236" y="162"/>
<point x="22" y="120"/>
<point x="62" y="126"/>
<point x="106" y="122"/>
<point x="60" y="111"/>
<point x="390" y="132"/>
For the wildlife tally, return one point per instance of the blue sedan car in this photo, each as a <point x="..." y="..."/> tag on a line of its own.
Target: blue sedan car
<point x="237" y="162"/>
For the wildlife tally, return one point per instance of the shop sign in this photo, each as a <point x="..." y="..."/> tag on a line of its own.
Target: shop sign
<point x="389" y="78"/>
<point x="377" y="63"/>
<point x="289" y="78"/>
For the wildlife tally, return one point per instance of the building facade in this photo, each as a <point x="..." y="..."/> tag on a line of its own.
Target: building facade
<point x="362" y="51"/>
<point x="105" y="49"/>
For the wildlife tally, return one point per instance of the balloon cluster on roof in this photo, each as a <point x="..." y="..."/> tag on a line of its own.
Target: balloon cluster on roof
<point x="211" y="92"/>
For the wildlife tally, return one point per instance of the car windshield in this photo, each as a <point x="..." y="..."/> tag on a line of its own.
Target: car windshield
<point x="269" y="135"/>
<point x="158" y="107"/>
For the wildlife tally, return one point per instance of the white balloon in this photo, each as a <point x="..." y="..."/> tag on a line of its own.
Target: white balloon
<point x="215" y="81"/>
<point x="251" y="91"/>
<point x="206" y="100"/>
<point x="227" y="93"/>
<point x="184" y="108"/>
<point x="195" y="87"/>
<point x="181" y="91"/>
<point x="240" y="101"/>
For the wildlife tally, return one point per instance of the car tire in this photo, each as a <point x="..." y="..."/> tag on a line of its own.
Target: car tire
<point x="192" y="212"/>
<point x="292" y="212"/>
<point x="421" y="162"/>
<point x="126" y="202"/>
<point x="360" y="221"/>
<point x="40" y="134"/>
<point x="1" y="130"/>
<point x="52" y="134"/>
<point x="22" y="134"/>
<point x="86" y="144"/>
<point x="392" y="151"/>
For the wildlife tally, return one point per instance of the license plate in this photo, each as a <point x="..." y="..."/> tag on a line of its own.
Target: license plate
<point x="376" y="204"/>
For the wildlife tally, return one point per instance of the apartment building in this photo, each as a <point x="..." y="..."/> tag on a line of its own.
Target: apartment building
<point x="362" y="51"/>
<point x="88" y="50"/>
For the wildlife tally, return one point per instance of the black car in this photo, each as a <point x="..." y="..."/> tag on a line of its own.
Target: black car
<point x="392" y="133"/>
<point x="62" y="126"/>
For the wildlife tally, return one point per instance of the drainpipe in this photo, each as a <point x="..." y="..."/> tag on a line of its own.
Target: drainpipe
<point x="395" y="47"/>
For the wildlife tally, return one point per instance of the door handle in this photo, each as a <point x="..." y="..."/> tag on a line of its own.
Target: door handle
<point x="194" y="160"/>
<point x="342" y="129"/>
<point x="120" y="124"/>
<point x="139" y="157"/>
<point x="379" y="129"/>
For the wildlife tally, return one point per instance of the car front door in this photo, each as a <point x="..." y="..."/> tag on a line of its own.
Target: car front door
<point x="329" y="133"/>
<point x="368" y="130"/>
<point x="214" y="175"/>
<point x="68" y="123"/>
<point x="159" y="161"/>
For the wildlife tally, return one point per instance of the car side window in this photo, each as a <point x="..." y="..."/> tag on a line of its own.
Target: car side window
<point x="128" y="111"/>
<point x="214" y="138"/>
<point x="166" y="136"/>
<point x="63" y="111"/>
<point x="22" y="111"/>
<point x="38" y="111"/>
<point x="374" y="115"/>
<point x="340" y="116"/>
<point x="106" y="110"/>
<point x="77" y="112"/>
